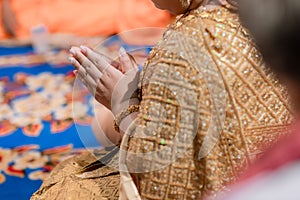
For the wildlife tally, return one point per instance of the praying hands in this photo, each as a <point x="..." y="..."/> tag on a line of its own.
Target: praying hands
<point x="113" y="84"/>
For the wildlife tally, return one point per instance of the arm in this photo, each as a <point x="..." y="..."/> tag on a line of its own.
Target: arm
<point x="102" y="126"/>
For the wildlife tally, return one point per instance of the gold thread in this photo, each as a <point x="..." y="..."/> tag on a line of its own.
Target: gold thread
<point x="123" y="114"/>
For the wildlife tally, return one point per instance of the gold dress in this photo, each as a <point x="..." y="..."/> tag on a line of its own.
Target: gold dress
<point x="209" y="108"/>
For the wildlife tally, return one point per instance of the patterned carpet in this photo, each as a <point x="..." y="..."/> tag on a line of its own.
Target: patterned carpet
<point x="44" y="115"/>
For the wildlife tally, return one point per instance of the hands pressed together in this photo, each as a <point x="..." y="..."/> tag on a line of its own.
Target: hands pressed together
<point x="113" y="84"/>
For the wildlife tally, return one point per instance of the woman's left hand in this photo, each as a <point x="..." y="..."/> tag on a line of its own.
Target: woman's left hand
<point x="112" y="87"/>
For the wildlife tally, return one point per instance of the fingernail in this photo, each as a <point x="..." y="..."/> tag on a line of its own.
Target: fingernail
<point x="71" y="59"/>
<point x="122" y="51"/>
<point x="72" y="51"/>
<point x="75" y="72"/>
<point x="84" y="49"/>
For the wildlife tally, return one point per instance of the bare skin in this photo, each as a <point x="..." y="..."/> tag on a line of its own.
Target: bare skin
<point x="109" y="82"/>
<point x="102" y="126"/>
<point x="176" y="8"/>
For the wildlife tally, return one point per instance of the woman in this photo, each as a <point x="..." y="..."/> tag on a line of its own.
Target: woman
<point x="207" y="106"/>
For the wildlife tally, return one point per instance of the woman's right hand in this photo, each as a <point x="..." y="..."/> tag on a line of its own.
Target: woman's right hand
<point x="9" y="21"/>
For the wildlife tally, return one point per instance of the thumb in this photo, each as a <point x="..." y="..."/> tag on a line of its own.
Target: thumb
<point x="127" y="61"/>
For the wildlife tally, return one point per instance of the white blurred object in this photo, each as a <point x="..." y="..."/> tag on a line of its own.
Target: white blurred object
<point x="281" y="184"/>
<point x="40" y="39"/>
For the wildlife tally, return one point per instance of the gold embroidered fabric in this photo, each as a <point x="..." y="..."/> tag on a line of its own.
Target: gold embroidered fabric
<point x="65" y="182"/>
<point x="209" y="108"/>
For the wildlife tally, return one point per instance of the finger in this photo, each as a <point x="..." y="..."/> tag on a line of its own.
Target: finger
<point x="127" y="62"/>
<point x="84" y="50"/>
<point x="80" y="57"/>
<point x="75" y="72"/>
<point x="87" y="78"/>
<point x="88" y="83"/>
<point x="94" y="72"/>
<point x="81" y="71"/>
<point x="98" y="60"/>
<point x="84" y="76"/>
<point x="114" y="63"/>
<point x="91" y="84"/>
<point x="109" y="76"/>
<point x="74" y="62"/>
<point x="81" y="78"/>
<point x="91" y="81"/>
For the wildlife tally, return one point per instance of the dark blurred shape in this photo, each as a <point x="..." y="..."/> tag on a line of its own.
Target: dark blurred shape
<point x="275" y="25"/>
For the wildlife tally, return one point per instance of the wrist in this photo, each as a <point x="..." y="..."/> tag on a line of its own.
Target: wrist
<point x="127" y="121"/>
<point x="118" y="108"/>
<point x="124" y="115"/>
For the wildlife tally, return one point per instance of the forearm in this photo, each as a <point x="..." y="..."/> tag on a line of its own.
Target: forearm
<point x="102" y="126"/>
